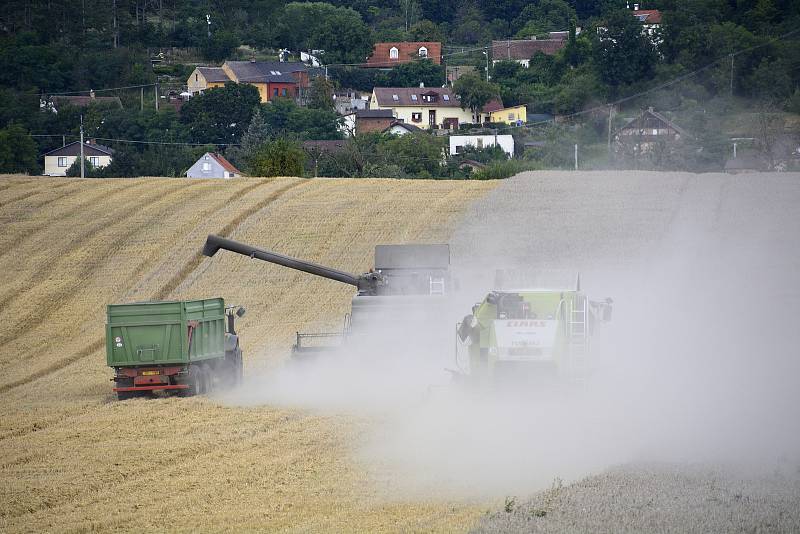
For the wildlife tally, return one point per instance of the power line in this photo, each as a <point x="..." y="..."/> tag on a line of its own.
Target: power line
<point x="89" y="91"/>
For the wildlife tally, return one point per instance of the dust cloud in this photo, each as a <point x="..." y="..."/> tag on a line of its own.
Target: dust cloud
<point x="700" y="362"/>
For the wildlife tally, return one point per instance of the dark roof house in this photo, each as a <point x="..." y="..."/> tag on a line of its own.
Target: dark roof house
<point x="90" y="148"/>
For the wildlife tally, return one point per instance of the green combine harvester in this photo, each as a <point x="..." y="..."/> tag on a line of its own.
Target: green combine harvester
<point x="527" y="335"/>
<point x="189" y="347"/>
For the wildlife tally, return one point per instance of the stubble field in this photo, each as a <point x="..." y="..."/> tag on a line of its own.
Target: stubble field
<point x="75" y="459"/>
<point x="694" y="431"/>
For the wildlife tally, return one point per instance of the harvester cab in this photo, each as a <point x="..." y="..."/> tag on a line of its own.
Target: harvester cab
<point x="529" y="334"/>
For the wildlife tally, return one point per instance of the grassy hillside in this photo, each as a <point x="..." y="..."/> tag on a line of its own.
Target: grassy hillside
<point x="75" y="459"/>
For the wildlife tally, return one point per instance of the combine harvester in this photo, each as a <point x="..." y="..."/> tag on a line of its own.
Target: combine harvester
<point x="528" y="336"/>
<point x="400" y="304"/>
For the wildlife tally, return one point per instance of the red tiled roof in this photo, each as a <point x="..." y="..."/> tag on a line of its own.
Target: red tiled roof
<point x="648" y="16"/>
<point x="227" y="165"/>
<point x="406" y="52"/>
<point x="493" y="105"/>
<point x="525" y="49"/>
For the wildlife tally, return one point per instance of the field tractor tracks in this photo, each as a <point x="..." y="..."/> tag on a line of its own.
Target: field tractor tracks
<point x="32" y="319"/>
<point x="131" y="210"/>
<point x="226" y="231"/>
<point x="173" y="283"/>
<point x="76" y="209"/>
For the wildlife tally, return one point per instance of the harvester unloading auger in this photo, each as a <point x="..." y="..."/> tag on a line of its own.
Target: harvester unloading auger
<point x="408" y="286"/>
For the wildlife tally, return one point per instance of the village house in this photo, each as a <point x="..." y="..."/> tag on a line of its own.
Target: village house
<point x="431" y="108"/>
<point x="348" y="100"/>
<point x="213" y="165"/>
<point x="365" y="121"/>
<point x="522" y="50"/>
<point x="459" y="142"/>
<point x="388" y="55"/>
<point x="650" y="19"/>
<point x="515" y="115"/>
<point x="82" y="101"/>
<point x="402" y="128"/>
<point x="56" y="162"/>
<point x="273" y="79"/>
<point x="646" y="132"/>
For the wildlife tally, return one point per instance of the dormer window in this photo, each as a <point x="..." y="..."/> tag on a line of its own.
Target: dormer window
<point x="429" y="97"/>
<point x="423" y="52"/>
<point x="414" y="98"/>
<point x="446" y="98"/>
<point x="394" y="53"/>
<point x="395" y="98"/>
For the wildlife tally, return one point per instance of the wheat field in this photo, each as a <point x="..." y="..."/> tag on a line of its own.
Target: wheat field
<point x="74" y="459"/>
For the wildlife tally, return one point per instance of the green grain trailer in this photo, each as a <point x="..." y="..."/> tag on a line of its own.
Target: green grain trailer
<point x="186" y="346"/>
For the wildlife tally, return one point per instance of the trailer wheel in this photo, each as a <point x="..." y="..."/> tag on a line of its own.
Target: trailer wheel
<point x="208" y="379"/>
<point x="125" y="395"/>
<point x="195" y="382"/>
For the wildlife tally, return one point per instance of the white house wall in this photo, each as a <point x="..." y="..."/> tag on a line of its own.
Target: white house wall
<point x="51" y="167"/>
<point x="506" y="142"/>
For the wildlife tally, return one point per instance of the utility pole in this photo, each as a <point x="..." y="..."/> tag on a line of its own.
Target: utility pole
<point x="610" y="117"/>
<point x="156" y="91"/>
<point x="141" y="99"/>
<point x="83" y="171"/>
<point x="731" y="89"/>
<point x="486" y="51"/>
<point x="576" y="156"/>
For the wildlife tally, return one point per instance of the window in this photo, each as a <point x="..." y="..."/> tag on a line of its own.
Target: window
<point x="283" y="92"/>
<point x="511" y="116"/>
<point x="446" y="98"/>
<point x="393" y="53"/>
<point x="94" y="160"/>
<point x="196" y="77"/>
<point x="395" y="98"/>
<point x="62" y="161"/>
<point x="423" y="52"/>
<point x="414" y="98"/>
<point x="416" y="117"/>
<point x="275" y="91"/>
<point x="206" y="166"/>
<point x="480" y="143"/>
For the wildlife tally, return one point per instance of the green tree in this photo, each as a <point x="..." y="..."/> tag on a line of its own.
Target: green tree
<point x="623" y="53"/>
<point x="220" y="115"/>
<point x="544" y="16"/>
<point x="321" y="94"/>
<point x="220" y="46"/>
<point x="258" y="132"/>
<point x="416" y="72"/>
<point x="418" y="155"/>
<point x="426" y="30"/>
<point x="475" y="93"/>
<point x="339" y="31"/>
<point x="287" y="119"/>
<point x="18" y="151"/>
<point x="280" y="157"/>
<point x="89" y="171"/>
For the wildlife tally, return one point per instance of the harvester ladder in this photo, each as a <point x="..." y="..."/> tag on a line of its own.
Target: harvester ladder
<point x="436" y="285"/>
<point x="578" y="335"/>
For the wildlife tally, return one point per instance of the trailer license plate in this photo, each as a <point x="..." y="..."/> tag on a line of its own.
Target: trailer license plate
<point x="149" y="373"/>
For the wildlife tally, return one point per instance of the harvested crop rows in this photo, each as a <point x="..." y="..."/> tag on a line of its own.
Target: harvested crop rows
<point x="75" y="459"/>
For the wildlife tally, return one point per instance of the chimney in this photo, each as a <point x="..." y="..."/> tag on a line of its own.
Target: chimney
<point x="252" y="59"/>
<point x="90" y="141"/>
<point x="422" y="85"/>
<point x="636" y="7"/>
<point x="91" y="93"/>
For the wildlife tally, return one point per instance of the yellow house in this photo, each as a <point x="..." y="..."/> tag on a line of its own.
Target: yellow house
<point x="431" y="108"/>
<point x="512" y="115"/>
<point x="273" y="79"/>
<point x="203" y="78"/>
